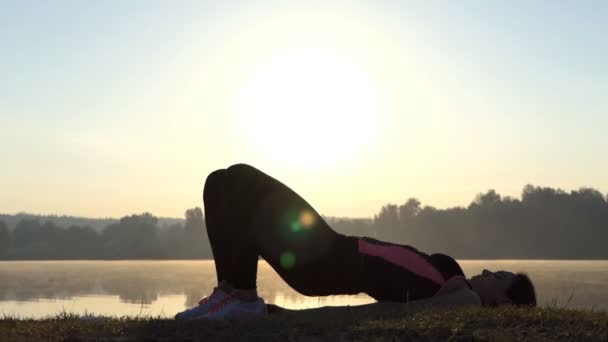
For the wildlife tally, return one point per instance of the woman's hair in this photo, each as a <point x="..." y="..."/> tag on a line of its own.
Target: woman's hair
<point x="521" y="291"/>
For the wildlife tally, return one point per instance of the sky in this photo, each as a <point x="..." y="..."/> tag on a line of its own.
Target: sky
<point x="109" y="108"/>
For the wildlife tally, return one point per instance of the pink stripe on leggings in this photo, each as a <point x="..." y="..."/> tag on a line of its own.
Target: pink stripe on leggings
<point x="403" y="257"/>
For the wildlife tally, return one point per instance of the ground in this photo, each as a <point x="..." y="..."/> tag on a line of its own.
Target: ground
<point x="329" y="324"/>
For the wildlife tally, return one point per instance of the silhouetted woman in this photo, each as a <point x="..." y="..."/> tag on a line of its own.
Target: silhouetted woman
<point x="250" y="214"/>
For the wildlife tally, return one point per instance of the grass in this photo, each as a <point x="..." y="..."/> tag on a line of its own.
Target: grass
<point x="327" y="324"/>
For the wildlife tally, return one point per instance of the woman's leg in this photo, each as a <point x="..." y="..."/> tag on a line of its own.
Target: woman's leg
<point x="234" y="255"/>
<point x="249" y="213"/>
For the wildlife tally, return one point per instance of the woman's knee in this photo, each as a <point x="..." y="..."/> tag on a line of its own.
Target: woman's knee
<point x="220" y="178"/>
<point x="214" y="183"/>
<point x="241" y="169"/>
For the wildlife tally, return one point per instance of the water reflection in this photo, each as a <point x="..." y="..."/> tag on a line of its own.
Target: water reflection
<point x="131" y="281"/>
<point x="40" y="288"/>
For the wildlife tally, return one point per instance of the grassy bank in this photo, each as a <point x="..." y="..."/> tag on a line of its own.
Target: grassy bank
<point x="331" y="324"/>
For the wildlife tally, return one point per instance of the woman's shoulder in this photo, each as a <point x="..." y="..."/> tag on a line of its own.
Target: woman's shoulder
<point x="448" y="267"/>
<point x="457" y="291"/>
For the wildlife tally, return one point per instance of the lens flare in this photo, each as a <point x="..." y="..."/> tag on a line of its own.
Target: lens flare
<point x="288" y="260"/>
<point x="295" y="226"/>
<point x="307" y="219"/>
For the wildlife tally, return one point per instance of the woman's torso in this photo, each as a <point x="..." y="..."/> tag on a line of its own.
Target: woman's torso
<point x="394" y="272"/>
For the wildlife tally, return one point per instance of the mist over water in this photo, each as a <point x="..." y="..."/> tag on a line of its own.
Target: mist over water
<point x="41" y="288"/>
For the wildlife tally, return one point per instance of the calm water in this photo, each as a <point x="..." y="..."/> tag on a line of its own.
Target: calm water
<point x="117" y="288"/>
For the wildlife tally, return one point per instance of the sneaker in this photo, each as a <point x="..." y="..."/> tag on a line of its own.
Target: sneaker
<point x="203" y="305"/>
<point x="233" y="308"/>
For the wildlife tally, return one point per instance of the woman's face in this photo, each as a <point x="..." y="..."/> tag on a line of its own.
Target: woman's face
<point x="492" y="286"/>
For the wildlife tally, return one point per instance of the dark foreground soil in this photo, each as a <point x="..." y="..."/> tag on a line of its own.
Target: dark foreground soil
<point x="388" y="323"/>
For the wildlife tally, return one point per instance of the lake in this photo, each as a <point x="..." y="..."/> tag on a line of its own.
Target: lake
<point x="117" y="288"/>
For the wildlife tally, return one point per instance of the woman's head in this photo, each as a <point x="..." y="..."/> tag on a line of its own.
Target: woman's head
<point x="504" y="287"/>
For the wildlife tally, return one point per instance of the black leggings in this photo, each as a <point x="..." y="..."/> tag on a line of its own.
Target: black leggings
<point x="250" y="214"/>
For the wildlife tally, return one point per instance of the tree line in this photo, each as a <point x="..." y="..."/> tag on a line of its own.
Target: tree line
<point x="131" y="237"/>
<point x="545" y="223"/>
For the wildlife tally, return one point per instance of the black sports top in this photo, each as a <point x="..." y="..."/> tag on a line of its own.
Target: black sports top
<point x="394" y="272"/>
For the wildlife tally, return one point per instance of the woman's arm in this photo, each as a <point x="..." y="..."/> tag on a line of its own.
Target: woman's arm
<point x="454" y="294"/>
<point x="460" y="297"/>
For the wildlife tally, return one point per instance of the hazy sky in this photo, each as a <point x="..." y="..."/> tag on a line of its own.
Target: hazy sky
<point x="110" y="108"/>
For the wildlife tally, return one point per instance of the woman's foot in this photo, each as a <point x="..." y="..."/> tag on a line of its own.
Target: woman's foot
<point x="204" y="305"/>
<point x="232" y="307"/>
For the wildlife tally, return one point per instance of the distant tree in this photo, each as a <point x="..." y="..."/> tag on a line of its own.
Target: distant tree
<point x="387" y="222"/>
<point x="487" y="200"/>
<point x="5" y="239"/>
<point x="25" y="233"/>
<point x="409" y="209"/>
<point x="194" y="222"/>
<point x="196" y="243"/>
<point x="133" y="237"/>
<point x="172" y="239"/>
<point x="353" y="226"/>
<point x="33" y="240"/>
<point x="388" y="216"/>
<point x="81" y="243"/>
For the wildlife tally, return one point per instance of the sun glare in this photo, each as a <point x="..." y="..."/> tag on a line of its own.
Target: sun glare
<point x="309" y="106"/>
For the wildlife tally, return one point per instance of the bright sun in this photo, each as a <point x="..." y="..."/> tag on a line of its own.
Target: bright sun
<point x="303" y="105"/>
